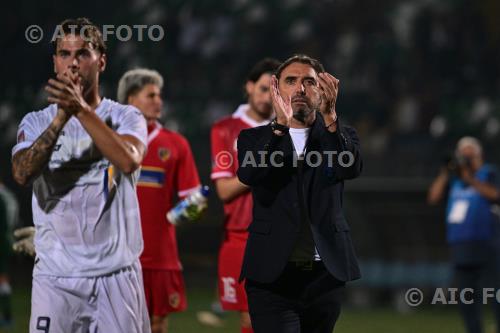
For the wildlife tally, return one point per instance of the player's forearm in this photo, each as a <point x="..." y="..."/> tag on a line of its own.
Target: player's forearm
<point x="122" y="154"/>
<point x="229" y="188"/>
<point x="438" y="186"/>
<point x="488" y="191"/>
<point x="27" y="164"/>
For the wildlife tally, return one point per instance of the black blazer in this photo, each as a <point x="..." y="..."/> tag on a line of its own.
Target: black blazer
<point x="276" y="209"/>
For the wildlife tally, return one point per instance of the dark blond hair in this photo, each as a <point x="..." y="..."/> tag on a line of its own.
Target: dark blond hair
<point x="83" y="25"/>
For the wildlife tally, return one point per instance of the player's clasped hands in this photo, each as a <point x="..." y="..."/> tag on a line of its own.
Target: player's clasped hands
<point x="67" y="92"/>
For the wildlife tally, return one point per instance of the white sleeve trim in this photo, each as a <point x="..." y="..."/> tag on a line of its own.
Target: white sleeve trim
<point x="184" y="193"/>
<point x="221" y="174"/>
<point x="132" y="133"/>
<point x="20" y="146"/>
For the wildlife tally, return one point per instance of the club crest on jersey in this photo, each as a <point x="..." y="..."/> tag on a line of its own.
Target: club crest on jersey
<point x="174" y="300"/>
<point x="163" y="154"/>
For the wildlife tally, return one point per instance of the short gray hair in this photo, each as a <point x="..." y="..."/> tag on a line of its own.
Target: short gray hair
<point x="469" y="141"/>
<point x="134" y="80"/>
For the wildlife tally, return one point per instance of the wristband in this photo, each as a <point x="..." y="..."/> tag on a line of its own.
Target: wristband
<point x="275" y="126"/>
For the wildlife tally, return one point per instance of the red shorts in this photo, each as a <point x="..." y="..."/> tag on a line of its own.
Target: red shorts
<point x="165" y="291"/>
<point x="232" y="294"/>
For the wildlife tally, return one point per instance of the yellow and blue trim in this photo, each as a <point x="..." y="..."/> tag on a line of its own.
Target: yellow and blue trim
<point x="109" y="174"/>
<point x="151" y="177"/>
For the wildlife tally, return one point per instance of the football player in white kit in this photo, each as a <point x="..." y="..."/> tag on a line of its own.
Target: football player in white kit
<point x="82" y="155"/>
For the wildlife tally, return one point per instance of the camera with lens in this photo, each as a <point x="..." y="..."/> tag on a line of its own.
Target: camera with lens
<point x="455" y="164"/>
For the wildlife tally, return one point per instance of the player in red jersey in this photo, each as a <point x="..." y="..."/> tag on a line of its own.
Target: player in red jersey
<point x="167" y="169"/>
<point x="235" y="195"/>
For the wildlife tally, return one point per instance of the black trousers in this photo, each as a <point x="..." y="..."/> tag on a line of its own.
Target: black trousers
<point x="304" y="299"/>
<point x="477" y="266"/>
<point x="477" y="278"/>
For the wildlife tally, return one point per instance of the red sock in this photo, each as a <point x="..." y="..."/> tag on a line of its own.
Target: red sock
<point x="246" y="330"/>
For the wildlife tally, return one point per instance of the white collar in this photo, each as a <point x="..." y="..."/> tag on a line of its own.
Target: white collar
<point x="241" y="113"/>
<point x="154" y="133"/>
<point x="300" y="130"/>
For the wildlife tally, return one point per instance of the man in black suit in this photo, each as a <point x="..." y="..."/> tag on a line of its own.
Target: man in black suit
<point x="299" y="252"/>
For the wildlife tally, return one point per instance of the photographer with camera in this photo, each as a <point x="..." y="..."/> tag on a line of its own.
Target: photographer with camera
<point x="473" y="191"/>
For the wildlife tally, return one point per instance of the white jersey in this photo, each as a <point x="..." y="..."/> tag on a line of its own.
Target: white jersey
<point x="85" y="211"/>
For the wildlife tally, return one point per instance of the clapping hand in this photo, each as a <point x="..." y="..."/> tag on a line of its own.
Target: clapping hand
<point x="282" y="107"/>
<point x="329" y="86"/>
<point x="67" y="92"/>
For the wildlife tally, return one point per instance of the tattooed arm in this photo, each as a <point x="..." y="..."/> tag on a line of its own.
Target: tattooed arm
<point x="123" y="151"/>
<point x="28" y="163"/>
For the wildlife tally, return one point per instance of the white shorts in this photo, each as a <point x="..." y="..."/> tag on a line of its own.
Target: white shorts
<point x="113" y="303"/>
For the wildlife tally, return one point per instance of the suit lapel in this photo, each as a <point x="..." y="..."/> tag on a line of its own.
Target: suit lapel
<point x="287" y="148"/>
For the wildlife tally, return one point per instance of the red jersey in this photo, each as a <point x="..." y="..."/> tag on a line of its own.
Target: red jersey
<point x="167" y="169"/>
<point x="238" y="212"/>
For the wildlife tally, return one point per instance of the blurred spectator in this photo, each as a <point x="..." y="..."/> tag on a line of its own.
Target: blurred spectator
<point x="472" y="227"/>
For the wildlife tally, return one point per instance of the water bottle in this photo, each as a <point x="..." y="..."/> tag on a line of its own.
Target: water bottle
<point x="190" y="208"/>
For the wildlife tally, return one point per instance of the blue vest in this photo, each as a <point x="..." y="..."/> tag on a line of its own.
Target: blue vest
<point x="468" y="214"/>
